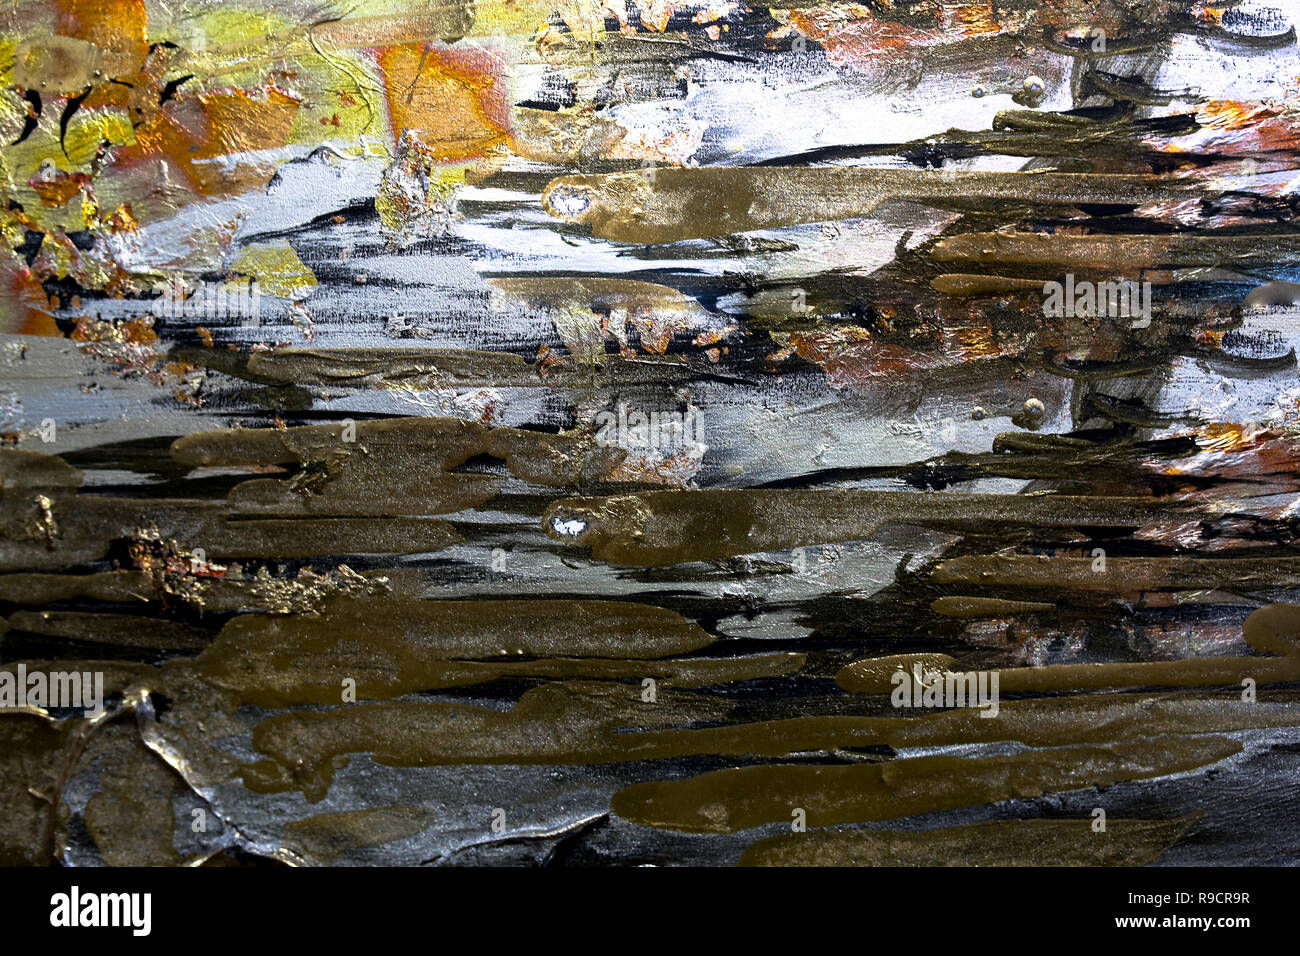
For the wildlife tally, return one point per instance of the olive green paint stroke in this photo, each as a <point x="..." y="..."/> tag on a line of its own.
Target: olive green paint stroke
<point x="132" y="819"/>
<point x="278" y="681"/>
<point x="228" y="592"/>
<point x="865" y="677"/>
<point x="658" y="528"/>
<point x="396" y="646"/>
<point x="705" y="202"/>
<point x="964" y="284"/>
<point x="121" y="630"/>
<point x="447" y="440"/>
<point x="390" y="467"/>
<point x="1117" y="251"/>
<point x="1119" y="574"/>
<point x="556" y="723"/>
<point x="391" y="645"/>
<point x="40" y="531"/>
<point x="23" y="468"/>
<point x="33" y="763"/>
<point x="1273" y="630"/>
<point x="539" y="457"/>
<point x="118" y="675"/>
<point x="584" y="723"/>
<point x="991" y="843"/>
<point x="726" y="801"/>
<point x="459" y="368"/>
<point x="873" y="673"/>
<point x="326" y="836"/>
<point x="1029" y="455"/>
<point x="354" y="488"/>
<point x="598" y="293"/>
<point x="976" y="607"/>
<point x="481" y="629"/>
<point x="40" y="588"/>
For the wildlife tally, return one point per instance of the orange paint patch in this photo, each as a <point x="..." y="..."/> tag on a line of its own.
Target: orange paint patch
<point x="215" y="124"/>
<point x="1231" y="114"/>
<point x="125" y="332"/>
<point x="454" y="101"/>
<point x="221" y="123"/>
<point x="1209" y="14"/>
<point x="58" y="189"/>
<point x="975" y="342"/>
<point x="1230" y="436"/>
<point x="972" y="19"/>
<point x="122" y="220"/>
<point x="24" y="307"/>
<point x="119" y="26"/>
<point x="1267" y="136"/>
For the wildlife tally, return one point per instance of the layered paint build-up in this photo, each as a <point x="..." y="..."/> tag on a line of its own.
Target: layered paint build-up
<point x="608" y="432"/>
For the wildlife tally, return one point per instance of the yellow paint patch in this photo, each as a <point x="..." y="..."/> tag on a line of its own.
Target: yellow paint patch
<point x="277" y="269"/>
